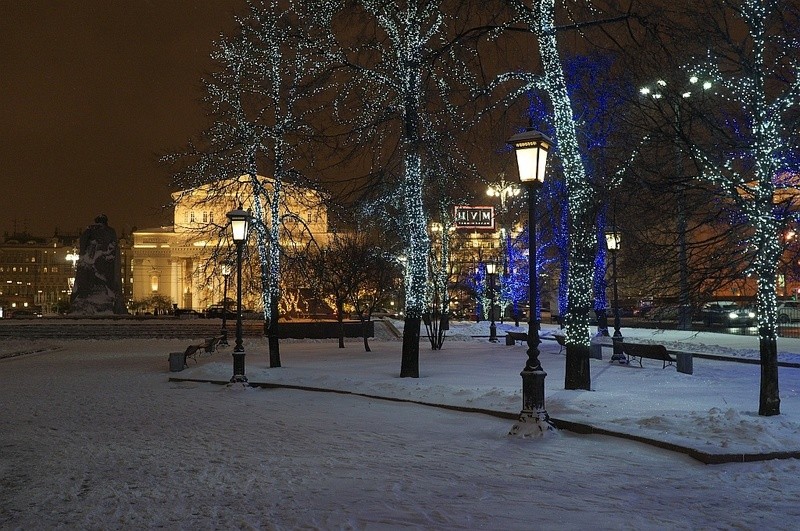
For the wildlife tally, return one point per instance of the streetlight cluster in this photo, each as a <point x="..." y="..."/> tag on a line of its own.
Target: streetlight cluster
<point x="658" y="91"/>
<point x="503" y="190"/>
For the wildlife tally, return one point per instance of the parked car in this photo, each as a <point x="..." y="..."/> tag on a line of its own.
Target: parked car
<point x="727" y="313"/>
<point x="215" y="311"/>
<point x="25" y="314"/>
<point x="182" y="313"/>
<point x="788" y="311"/>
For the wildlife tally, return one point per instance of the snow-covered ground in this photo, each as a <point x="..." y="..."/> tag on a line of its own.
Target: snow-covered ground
<point x="94" y="435"/>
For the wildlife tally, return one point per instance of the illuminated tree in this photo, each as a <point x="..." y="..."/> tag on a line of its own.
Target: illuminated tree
<point x="747" y="146"/>
<point x="540" y="19"/>
<point x="257" y="99"/>
<point x="514" y="279"/>
<point x="403" y="72"/>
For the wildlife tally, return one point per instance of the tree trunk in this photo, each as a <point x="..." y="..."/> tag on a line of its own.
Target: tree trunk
<point x="602" y="322"/>
<point x="364" y="332"/>
<point x="340" y="318"/>
<point x="577" y="374"/>
<point x="769" y="402"/>
<point x="410" y="361"/>
<point x="272" y="335"/>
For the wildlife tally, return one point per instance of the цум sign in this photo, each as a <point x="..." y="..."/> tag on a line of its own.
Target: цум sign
<point x="481" y="217"/>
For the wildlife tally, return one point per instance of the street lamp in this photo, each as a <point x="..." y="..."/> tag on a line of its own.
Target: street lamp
<point x="73" y="257"/>
<point x="613" y="240"/>
<point x="531" y="148"/>
<point x="491" y="270"/>
<point x="239" y="225"/>
<point x="226" y="273"/>
<point x="502" y="190"/>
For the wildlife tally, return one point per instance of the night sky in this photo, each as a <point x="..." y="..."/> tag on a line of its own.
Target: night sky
<point x="93" y="93"/>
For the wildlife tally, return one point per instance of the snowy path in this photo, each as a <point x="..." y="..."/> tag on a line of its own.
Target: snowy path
<point x="94" y="436"/>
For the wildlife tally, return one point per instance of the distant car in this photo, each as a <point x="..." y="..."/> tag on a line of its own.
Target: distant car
<point x="187" y="314"/>
<point x="788" y="311"/>
<point x="727" y="313"/>
<point x="25" y="314"/>
<point x="215" y="311"/>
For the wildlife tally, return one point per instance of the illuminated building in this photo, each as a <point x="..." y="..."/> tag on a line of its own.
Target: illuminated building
<point x="182" y="261"/>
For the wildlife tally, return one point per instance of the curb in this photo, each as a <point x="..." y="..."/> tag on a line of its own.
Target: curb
<point x="575" y="427"/>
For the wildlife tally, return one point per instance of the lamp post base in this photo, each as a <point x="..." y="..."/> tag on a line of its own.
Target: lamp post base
<point x="223" y="342"/>
<point x="532" y="426"/>
<point x="618" y="354"/>
<point x="238" y="367"/>
<point x="533" y="419"/>
<point x="493" y="332"/>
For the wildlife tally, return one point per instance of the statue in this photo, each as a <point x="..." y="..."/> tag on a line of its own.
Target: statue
<point x="98" y="287"/>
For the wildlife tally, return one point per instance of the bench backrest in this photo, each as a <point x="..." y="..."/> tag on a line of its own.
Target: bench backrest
<point x="647" y="350"/>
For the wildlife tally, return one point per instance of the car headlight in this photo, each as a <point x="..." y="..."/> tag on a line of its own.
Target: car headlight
<point x="751" y="315"/>
<point x="733" y="315"/>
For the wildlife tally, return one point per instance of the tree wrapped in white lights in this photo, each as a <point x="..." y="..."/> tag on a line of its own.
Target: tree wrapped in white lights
<point x="540" y="19"/>
<point x="748" y="153"/>
<point x="398" y="99"/>
<point x="257" y="99"/>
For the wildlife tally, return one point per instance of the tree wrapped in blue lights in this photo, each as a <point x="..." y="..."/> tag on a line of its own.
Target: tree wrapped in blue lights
<point x="540" y="19"/>
<point x="514" y="280"/>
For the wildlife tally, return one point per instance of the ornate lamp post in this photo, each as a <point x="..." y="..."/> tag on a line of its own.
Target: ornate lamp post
<point x="502" y="190"/>
<point x="613" y="240"/>
<point x="531" y="148"/>
<point x="491" y="270"/>
<point x="240" y="220"/>
<point x="226" y="273"/>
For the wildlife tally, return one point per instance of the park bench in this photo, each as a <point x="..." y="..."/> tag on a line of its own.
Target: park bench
<point x="659" y="352"/>
<point x="513" y="337"/>
<point x="207" y="346"/>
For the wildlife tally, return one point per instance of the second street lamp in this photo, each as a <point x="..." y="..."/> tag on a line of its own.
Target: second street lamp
<point x="613" y="240"/>
<point x="531" y="148"/>
<point x="491" y="270"/>
<point x="240" y="220"/>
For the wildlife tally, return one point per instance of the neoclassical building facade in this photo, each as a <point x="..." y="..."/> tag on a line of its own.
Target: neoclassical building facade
<point x="184" y="261"/>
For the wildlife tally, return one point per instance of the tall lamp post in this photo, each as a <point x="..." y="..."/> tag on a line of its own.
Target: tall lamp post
<point x="613" y="240"/>
<point x="491" y="270"/>
<point x="240" y="220"/>
<point x="226" y="273"/>
<point x="531" y="148"/>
